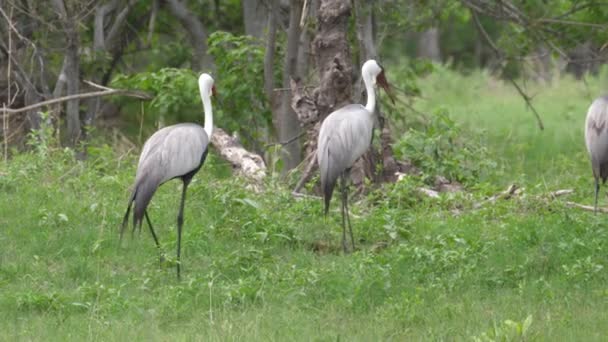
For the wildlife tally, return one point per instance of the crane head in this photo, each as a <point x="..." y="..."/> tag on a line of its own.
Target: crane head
<point x="381" y="81"/>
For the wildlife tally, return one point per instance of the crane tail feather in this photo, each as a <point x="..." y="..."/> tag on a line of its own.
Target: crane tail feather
<point x="125" y="220"/>
<point x="143" y="194"/>
<point x="328" y="190"/>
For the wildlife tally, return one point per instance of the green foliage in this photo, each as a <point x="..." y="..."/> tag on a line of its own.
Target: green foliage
<point x="267" y="266"/>
<point x="507" y="331"/>
<point x="240" y="62"/>
<point x="241" y="98"/>
<point x="43" y="139"/>
<point x="440" y="148"/>
<point x="176" y="94"/>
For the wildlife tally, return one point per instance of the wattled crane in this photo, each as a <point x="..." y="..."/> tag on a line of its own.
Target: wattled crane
<point x="596" y="138"/>
<point x="344" y="136"/>
<point x="176" y="151"/>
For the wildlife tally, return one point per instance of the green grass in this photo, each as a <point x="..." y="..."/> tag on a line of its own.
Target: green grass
<point x="265" y="266"/>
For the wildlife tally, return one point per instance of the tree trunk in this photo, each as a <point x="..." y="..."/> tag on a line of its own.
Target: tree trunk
<point x="365" y="167"/>
<point x="72" y="70"/>
<point x="428" y="45"/>
<point x="196" y="32"/>
<point x="109" y="39"/>
<point x="304" y="53"/>
<point x="270" y="53"/>
<point x="333" y="62"/>
<point x="366" y="34"/>
<point x="286" y="120"/>
<point x="255" y="17"/>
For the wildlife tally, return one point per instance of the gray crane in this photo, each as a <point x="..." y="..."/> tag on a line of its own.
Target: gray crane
<point x="176" y="151"/>
<point x="344" y="136"/>
<point x="596" y="138"/>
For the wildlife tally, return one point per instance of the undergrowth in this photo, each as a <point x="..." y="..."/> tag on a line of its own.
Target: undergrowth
<point x="268" y="266"/>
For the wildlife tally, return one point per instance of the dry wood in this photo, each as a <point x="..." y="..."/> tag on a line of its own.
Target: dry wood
<point x="307" y="174"/>
<point x="301" y="195"/>
<point x="248" y="164"/>
<point x="586" y="207"/>
<point x="125" y="92"/>
<point x="506" y="194"/>
<point x="429" y="192"/>
<point x="562" y="192"/>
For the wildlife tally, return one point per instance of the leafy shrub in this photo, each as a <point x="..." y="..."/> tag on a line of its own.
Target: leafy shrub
<point x="442" y="150"/>
<point x="176" y="95"/>
<point x="240" y="62"/>
<point x="241" y="98"/>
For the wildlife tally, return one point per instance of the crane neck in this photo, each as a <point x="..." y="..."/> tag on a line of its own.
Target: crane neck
<point x="208" y="113"/>
<point x="371" y="94"/>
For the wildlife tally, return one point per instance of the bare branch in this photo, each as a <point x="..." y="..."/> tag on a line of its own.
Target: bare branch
<point x="289" y="141"/>
<point x="570" y="22"/>
<point x="125" y="92"/>
<point x="500" y="56"/>
<point x="307" y="174"/>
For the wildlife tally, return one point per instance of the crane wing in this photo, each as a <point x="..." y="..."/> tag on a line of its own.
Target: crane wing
<point x="171" y="152"/>
<point x="596" y="136"/>
<point x="344" y="136"/>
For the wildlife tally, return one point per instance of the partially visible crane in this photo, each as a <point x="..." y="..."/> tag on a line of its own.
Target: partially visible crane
<point x="344" y="136"/>
<point x="596" y="139"/>
<point x="176" y="151"/>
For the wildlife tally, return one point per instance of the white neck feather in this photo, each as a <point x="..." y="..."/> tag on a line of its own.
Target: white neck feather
<point x="371" y="94"/>
<point x="208" y="111"/>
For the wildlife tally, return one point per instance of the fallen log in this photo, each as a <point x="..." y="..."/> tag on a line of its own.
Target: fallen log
<point x="245" y="163"/>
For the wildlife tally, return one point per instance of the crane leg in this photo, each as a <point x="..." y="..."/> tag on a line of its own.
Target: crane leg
<point x="160" y="253"/>
<point x="180" y="223"/>
<point x="342" y="211"/>
<point x="597" y="192"/>
<point x="350" y="228"/>
<point x="345" y="215"/>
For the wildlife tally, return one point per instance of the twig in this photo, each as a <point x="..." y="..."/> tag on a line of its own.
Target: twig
<point x="125" y="92"/>
<point x="307" y="172"/>
<point x="508" y="193"/>
<point x="289" y="141"/>
<point x="95" y="85"/>
<point x="289" y="89"/>
<point x="586" y="207"/>
<point x="562" y="192"/>
<point x="571" y="22"/>
<point x="304" y="13"/>
<point x="500" y="56"/>
<point x="528" y="100"/>
<point x="301" y="195"/>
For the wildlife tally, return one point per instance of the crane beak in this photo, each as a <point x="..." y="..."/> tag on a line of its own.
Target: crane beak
<point x="381" y="80"/>
<point x="213" y="91"/>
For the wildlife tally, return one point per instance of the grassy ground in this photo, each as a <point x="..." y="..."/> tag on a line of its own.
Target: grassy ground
<point x="267" y="267"/>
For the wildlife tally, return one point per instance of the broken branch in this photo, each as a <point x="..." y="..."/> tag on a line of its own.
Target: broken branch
<point x="125" y="92"/>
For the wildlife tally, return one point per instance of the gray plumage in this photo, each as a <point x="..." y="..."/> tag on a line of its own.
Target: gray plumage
<point x="176" y="151"/>
<point x="596" y="139"/>
<point x="344" y="137"/>
<point x="172" y="152"/>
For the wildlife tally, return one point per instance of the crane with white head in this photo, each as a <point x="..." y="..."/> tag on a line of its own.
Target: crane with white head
<point x="345" y="135"/>
<point x="596" y="139"/>
<point x="176" y="151"/>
